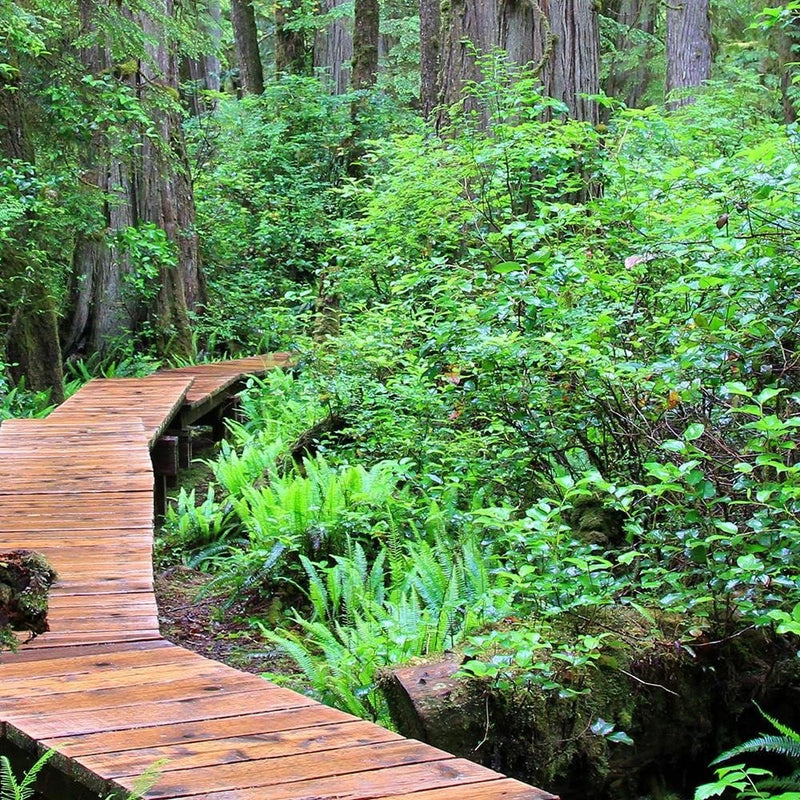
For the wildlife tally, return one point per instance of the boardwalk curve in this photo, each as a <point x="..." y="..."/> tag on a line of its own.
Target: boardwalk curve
<point x="106" y="691"/>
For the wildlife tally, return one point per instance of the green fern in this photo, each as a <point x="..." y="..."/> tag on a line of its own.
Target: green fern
<point x="786" y="744"/>
<point x="11" y="788"/>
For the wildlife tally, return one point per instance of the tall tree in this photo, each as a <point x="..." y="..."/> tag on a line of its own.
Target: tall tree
<point x="558" y="38"/>
<point x="430" y="23"/>
<point x="333" y="47"/>
<point x="366" y="36"/>
<point x="141" y="264"/>
<point x="688" y="46"/>
<point x="290" y="43"/>
<point x="27" y="306"/>
<point x="571" y="71"/>
<point x="630" y="66"/>
<point x="245" y="36"/>
<point x="204" y="72"/>
<point x="784" y="38"/>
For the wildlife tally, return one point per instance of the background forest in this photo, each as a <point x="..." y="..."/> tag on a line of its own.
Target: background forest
<point x="538" y="263"/>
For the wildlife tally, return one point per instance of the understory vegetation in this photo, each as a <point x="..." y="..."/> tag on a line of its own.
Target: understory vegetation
<point x="553" y="380"/>
<point x="543" y="422"/>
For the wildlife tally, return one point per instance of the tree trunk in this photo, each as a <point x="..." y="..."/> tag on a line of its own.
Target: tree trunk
<point x="165" y="195"/>
<point x="688" y="46"/>
<point x="290" y="45"/>
<point x="333" y="49"/>
<point x="203" y="73"/>
<point x="245" y="34"/>
<point x="784" y="38"/>
<point x="573" y="69"/>
<point x="630" y="71"/>
<point x="151" y="185"/>
<point x="559" y="39"/>
<point x="365" y="44"/>
<point x="430" y="23"/>
<point x="31" y="337"/>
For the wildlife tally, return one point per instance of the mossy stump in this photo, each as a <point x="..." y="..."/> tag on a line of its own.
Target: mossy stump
<point x="25" y="581"/>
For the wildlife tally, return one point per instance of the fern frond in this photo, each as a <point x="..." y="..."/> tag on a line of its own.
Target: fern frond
<point x="766" y="743"/>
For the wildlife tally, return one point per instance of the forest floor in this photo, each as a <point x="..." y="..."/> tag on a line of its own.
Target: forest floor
<point x="208" y="624"/>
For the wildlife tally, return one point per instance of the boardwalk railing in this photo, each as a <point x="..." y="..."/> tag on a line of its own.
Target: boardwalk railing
<point x="106" y="691"/>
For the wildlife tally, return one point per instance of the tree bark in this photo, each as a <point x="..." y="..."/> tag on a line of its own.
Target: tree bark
<point x="333" y="49"/>
<point x="573" y="69"/>
<point x="165" y="195"/>
<point x="557" y="38"/>
<point x="628" y="79"/>
<point x="150" y="185"/>
<point x="100" y="310"/>
<point x="32" y="346"/>
<point x="245" y="34"/>
<point x="688" y="47"/>
<point x="290" y="45"/>
<point x="430" y="23"/>
<point x="203" y="73"/>
<point x="784" y="38"/>
<point x="366" y="35"/>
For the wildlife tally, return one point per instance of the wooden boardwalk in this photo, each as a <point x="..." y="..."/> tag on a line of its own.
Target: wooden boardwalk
<point x="106" y="691"/>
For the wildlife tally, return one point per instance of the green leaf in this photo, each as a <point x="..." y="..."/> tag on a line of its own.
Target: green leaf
<point x="693" y="431"/>
<point x="726" y="527"/>
<point x="506" y="266"/>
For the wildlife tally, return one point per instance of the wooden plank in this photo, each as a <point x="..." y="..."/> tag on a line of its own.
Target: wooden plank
<point x="42" y="656"/>
<point x="210" y="752"/>
<point x="163" y="735"/>
<point x="105" y="690"/>
<point x="354" y="764"/>
<point x="86" y="659"/>
<point x="370" y="783"/>
<point x="503" y="789"/>
<point x="223" y="704"/>
<point x="102" y="677"/>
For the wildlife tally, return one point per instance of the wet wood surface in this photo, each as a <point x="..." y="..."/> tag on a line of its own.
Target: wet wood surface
<point x="102" y="687"/>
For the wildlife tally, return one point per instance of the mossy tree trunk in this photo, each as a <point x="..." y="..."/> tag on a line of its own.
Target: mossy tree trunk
<point x="688" y="46"/>
<point x="366" y="36"/>
<point x="333" y="49"/>
<point x="430" y="23"/>
<point x="149" y="186"/>
<point x="290" y="44"/>
<point x="630" y="69"/>
<point x="572" y="66"/>
<point x="26" y="303"/>
<point x="245" y="36"/>
<point x="559" y="39"/>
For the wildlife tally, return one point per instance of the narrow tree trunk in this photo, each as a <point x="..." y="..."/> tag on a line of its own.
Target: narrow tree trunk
<point x="688" y="46"/>
<point x="290" y="45"/>
<point x="430" y="23"/>
<point x="333" y="49"/>
<point x="31" y="338"/>
<point x="202" y="74"/>
<point x="245" y="34"/>
<point x="213" y="71"/>
<point x="573" y="69"/>
<point x="365" y="43"/>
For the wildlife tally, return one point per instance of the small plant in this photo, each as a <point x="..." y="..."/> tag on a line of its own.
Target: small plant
<point x="755" y="782"/>
<point x="11" y="788"/>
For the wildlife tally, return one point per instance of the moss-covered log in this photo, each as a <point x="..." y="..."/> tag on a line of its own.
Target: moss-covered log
<point x="25" y="581"/>
<point x="681" y="706"/>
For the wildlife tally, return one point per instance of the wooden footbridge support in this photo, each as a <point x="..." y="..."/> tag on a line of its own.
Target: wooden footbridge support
<point x="105" y="690"/>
